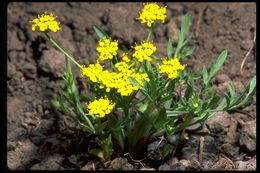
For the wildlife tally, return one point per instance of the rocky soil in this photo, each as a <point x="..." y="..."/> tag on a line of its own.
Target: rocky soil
<point x="36" y="137"/>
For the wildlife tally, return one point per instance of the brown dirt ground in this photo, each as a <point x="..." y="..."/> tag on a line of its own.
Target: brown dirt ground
<point x="34" y="137"/>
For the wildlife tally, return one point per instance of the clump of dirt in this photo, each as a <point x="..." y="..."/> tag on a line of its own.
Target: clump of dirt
<point x="36" y="137"/>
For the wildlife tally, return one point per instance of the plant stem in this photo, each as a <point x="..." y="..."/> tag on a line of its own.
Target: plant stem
<point x="185" y="112"/>
<point x="62" y="50"/>
<point x="149" y="34"/>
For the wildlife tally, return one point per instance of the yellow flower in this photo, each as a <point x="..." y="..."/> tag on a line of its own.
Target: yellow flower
<point x="171" y="67"/>
<point x="107" y="49"/>
<point x="144" y="51"/>
<point x="152" y="12"/>
<point x="100" y="107"/>
<point x="45" y="22"/>
<point x="115" y="80"/>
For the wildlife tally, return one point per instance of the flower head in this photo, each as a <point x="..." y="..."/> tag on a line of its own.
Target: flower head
<point x="144" y="51"/>
<point x="45" y="22"/>
<point x="152" y="12"/>
<point x="115" y="80"/>
<point x="100" y="107"/>
<point x="107" y="49"/>
<point x="171" y="67"/>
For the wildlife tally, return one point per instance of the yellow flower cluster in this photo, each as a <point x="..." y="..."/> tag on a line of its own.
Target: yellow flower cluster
<point x="152" y="12"/>
<point x="46" y="22"/>
<point x="144" y="51"/>
<point x="171" y="67"/>
<point x="107" y="49"/>
<point x="115" y="80"/>
<point x="100" y="107"/>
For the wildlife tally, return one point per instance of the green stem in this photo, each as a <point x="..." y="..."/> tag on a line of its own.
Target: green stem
<point x="185" y="112"/>
<point x="149" y="34"/>
<point x="62" y="50"/>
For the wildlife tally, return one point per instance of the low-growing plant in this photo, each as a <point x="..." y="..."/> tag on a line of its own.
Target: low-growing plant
<point x="134" y="95"/>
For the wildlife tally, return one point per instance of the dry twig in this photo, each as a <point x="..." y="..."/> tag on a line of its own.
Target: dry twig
<point x="247" y="54"/>
<point x="138" y="161"/>
<point x="201" y="148"/>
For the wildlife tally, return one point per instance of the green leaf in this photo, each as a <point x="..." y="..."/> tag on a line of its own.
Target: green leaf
<point x="213" y="101"/>
<point x="98" y="153"/>
<point x="185" y="23"/>
<point x="166" y="150"/>
<point x="181" y="34"/>
<point x="189" y="91"/>
<point x="144" y="125"/>
<point x="231" y="89"/>
<point x="134" y="82"/>
<point x="252" y="85"/>
<point x="56" y="103"/>
<point x="100" y="33"/>
<point x="204" y="75"/>
<point x="251" y="91"/>
<point x="169" y="49"/>
<point x="187" y="53"/>
<point x="217" y="65"/>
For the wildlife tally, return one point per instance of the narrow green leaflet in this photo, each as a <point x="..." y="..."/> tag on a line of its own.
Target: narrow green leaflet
<point x="181" y="34"/>
<point x="99" y="31"/>
<point x="169" y="49"/>
<point x="204" y="75"/>
<point x="217" y="65"/>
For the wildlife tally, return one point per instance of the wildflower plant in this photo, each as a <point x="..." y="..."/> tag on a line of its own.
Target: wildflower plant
<point x="136" y="99"/>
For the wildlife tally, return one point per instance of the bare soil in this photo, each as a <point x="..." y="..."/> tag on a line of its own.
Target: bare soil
<point x="36" y="137"/>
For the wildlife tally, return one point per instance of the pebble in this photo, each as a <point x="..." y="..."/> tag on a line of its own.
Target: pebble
<point x="174" y="139"/>
<point x="164" y="167"/>
<point x="90" y="166"/>
<point x="247" y="137"/>
<point x="120" y="164"/>
<point x="38" y="140"/>
<point x="221" y="78"/>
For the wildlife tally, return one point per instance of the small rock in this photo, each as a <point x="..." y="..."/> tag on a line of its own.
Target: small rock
<point x="39" y="109"/>
<point x="147" y="169"/>
<point x="22" y="133"/>
<point x="194" y="128"/>
<point x="11" y="70"/>
<point x="38" y="140"/>
<point x="218" y="123"/>
<point x="89" y="166"/>
<point x="164" y="167"/>
<point x="174" y="139"/>
<point x="190" y="148"/>
<point x="247" y="137"/>
<point x="52" y="62"/>
<point x="29" y="70"/>
<point x="239" y="87"/>
<point x="246" y="44"/>
<point x="46" y="105"/>
<point x="73" y="159"/>
<point x="38" y="89"/>
<point x="232" y="136"/>
<point x="230" y="149"/>
<point x="249" y="165"/>
<point x="13" y="43"/>
<point x="223" y="163"/>
<point x="52" y="162"/>
<point x="154" y="150"/>
<point x="28" y="114"/>
<point x="221" y="78"/>
<point x="21" y="55"/>
<point x="191" y="164"/>
<point x="120" y="164"/>
<point x="178" y="167"/>
<point x="10" y="146"/>
<point x="173" y="161"/>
